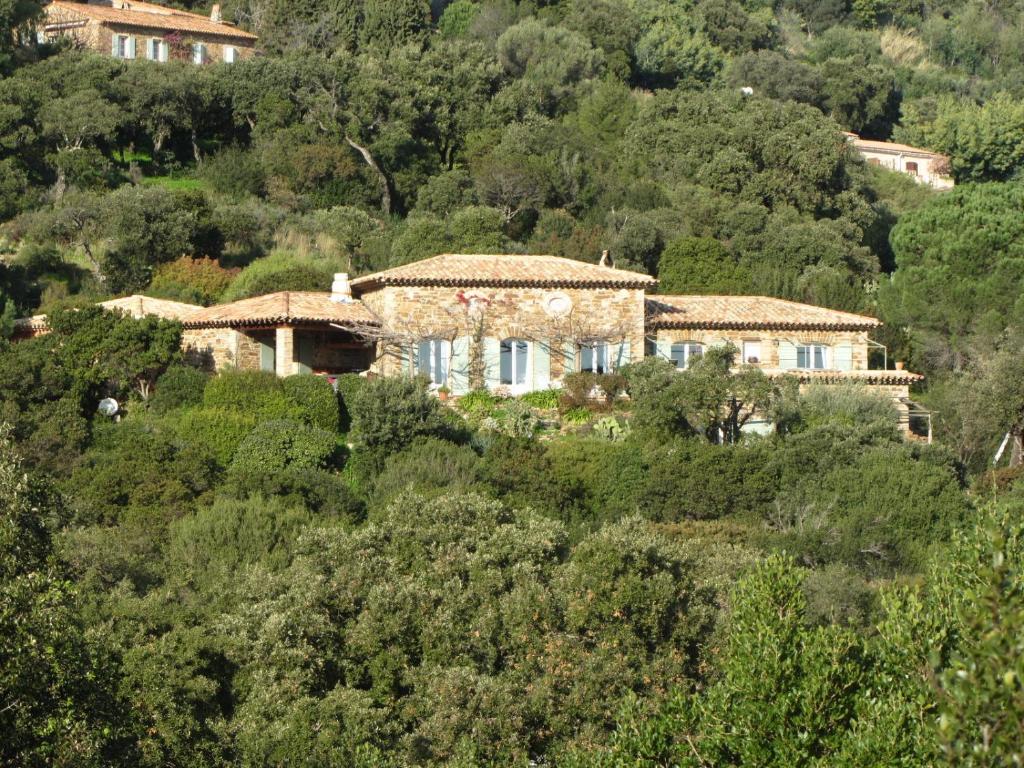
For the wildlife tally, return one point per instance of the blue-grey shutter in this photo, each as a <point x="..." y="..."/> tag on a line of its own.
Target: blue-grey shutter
<point x="407" y="354"/>
<point x="621" y="354"/>
<point x="664" y="348"/>
<point x="842" y="357"/>
<point x="268" y="360"/>
<point x="541" y="364"/>
<point x="458" y="378"/>
<point x="492" y="361"/>
<point x="787" y="355"/>
<point x="569" y="353"/>
<point x="130" y="51"/>
<point x="305" y="347"/>
<point x="113" y="44"/>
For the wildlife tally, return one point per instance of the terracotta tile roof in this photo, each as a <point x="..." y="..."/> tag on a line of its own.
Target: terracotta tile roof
<point x="147" y="15"/>
<point x="138" y="305"/>
<point x="834" y="377"/>
<point x="740" y="312"/>
<point x="504" y="270"/>
<point x="284" y="308"/>
<point x="889" y="146"/>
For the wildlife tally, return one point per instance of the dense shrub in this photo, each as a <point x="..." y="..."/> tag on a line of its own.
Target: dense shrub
<point x="316" y="397"/>
<point x="521" y="473"/>
<point x="590" y="390"/>
<point x="487" y="636"/>
<point x="195" y="281"/>
<point x="179" y="386"/>
<point x="349" y="385"/>
<point x="233" y="171"/>
<point x="258" y="393"/>
<point x="880" y="513"/>
<point x="217" y="430"/>
<point x="216" y="540"/>
<point x="324" y="493"/>
<point x="276" y="445"/>
<point x="281" y="272"/>
<point x="389" y="413"/>
<point x="543" y="399"/>
<point x="131" y="466"/>
<point x="428" y="466"/>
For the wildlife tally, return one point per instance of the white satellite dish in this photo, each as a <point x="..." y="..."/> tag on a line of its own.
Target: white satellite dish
<point x="108" y="406"/>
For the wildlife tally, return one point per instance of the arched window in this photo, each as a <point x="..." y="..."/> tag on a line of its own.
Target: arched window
<point x="432" y="360"/>
<point x="685" y="352"/>
<point x="515" y="354"/>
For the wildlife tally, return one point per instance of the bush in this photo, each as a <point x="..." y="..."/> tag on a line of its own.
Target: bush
<point x="282" y="272"/>
<point x="212" y="543"/>
<point x="542" y="399"/>
<point x="257" y="393"/>
<point x="593" y="390"/>
<point x="316" y="397"/>
<point x="480" y="403"/>
<point x="178" y="387"/>
<point x="648" y="376"/>
<point x="850" y="405"/>
<point x="389" y="413"/>
<point x="233" y="171"/>
<point x="879" y="513"/>
<point x="132" y="466"/>
<point x="218" y="430"/>
<point x="323" y="493"/>
<point x="196" y="281"/>
<point x="520" y="472"/>
<point x="428" y="466"/>
<point x="349" y="385"/>
<point x="273" y="446"/>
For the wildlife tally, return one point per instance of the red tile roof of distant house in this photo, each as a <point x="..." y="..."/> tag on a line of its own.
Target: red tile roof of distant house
<point x="283" y="308"/>
<point x="504" y="270"/>
<point x="742" y="312"/>
<point x="151" y="16"/>
<point x="138" y="305"/>
<point x="889" y="146"/>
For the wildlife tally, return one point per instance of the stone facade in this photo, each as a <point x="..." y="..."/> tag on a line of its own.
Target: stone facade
<point x="65" y="20"/>
<point x="769" y="343"/>
<point x="552" y="320"/>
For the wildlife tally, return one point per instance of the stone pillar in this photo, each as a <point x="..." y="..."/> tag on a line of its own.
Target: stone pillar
<point x="284" y="351"/>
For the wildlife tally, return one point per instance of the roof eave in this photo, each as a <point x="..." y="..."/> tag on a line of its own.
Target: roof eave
<point x="722" y="326"/>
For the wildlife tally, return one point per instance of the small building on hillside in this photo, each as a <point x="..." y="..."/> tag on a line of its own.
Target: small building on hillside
<point x="127" y="29"/>
<point x="925" y="166"/>
<point x="135" y="306"/>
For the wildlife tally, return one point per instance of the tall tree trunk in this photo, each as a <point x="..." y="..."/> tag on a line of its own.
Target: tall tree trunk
<point x="385" y="188"/>
<point x="195" y="147"/>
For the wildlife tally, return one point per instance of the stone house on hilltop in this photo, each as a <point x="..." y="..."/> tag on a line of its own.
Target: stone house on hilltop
<point x="515" y="324"/>
<point x="127" y="29"/>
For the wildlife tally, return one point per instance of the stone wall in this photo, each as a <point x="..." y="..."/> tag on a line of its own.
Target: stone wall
<point x="769" y="341"/>
<point x="553" y="316"/>
<point x="98" y="36"/>
<point x="212" y="348"/>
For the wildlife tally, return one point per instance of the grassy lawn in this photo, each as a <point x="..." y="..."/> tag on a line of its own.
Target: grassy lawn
<point x="173" y="182"/>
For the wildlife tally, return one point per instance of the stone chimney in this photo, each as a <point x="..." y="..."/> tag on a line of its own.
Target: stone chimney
<point x="605" y="260"/>
<point x="215" y="13"/>
<point x="341" y="289"/>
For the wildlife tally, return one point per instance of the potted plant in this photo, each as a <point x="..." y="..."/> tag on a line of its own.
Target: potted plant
<point x="442" y="394"/>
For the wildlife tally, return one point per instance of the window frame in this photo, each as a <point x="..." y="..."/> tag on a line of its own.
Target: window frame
<point x="439" y="354"/>
<point x="518" y="356"/>
<point x="122" y="46"/>
<point x="810" y="352"/>
<point x="596" y="348"/>
<point x="233" y="54"/>
<point x="746" y="357"/>
<point x="690" y="351"/>
<point x="911" y="167"/>
<point x="198" y="53"/>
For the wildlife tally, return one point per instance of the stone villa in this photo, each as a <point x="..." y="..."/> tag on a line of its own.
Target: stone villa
<point x="514" y="324"/>
<point x="127" y="29"/>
